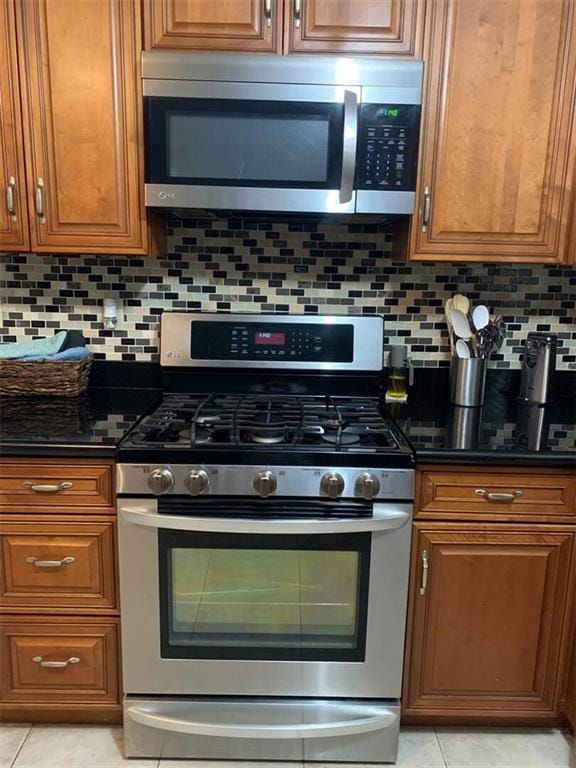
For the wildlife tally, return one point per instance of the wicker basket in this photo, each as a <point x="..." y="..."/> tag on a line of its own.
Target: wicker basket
<point x="43" y="377"/>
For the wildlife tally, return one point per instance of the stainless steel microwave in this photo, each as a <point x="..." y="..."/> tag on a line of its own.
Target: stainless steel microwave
<point x="278" y="133"/>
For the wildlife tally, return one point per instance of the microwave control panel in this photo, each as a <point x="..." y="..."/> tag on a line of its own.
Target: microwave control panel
<point x="387" y="146"/>
<point x="272" y="342"/>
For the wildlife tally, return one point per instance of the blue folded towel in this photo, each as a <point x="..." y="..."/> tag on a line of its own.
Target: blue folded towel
<point x="39" y="348"/>
<point x="73" y="353"/>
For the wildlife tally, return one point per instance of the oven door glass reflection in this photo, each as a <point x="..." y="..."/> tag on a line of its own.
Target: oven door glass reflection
<point x="233" y="596"/>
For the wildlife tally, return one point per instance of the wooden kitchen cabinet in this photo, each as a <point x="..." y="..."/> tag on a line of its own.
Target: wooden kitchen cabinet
<point x="86" y="654"/>
<point x="52" y="485"/>
<point x="497" y="151"/>
<point x="487" y="622"/>
<point x="81" y="102"/>
<point x="14" y="234"/>
<point x="497" y="493"/>
<point x="58" y="591"/>
<point x="570" y="709"/>
<point x="205" y="25"/>
<point x="357" y="27"/>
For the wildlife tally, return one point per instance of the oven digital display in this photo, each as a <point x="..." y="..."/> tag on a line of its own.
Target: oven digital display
<point x="269" y="338"/>
<point x="272" y="342"/>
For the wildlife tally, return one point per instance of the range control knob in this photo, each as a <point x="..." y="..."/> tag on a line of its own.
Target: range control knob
<point x="332" y="484"/>
<point x="367" y="486"/>
<point x="160" y="481"/>
<point x="197" y="482"/>
<point x="265" y="483"/>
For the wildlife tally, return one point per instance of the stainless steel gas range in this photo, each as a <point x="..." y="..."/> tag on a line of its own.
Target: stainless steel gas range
<point x="264" y="528"/>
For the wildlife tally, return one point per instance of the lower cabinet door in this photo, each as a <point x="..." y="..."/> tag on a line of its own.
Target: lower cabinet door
<point x="487" y="612"/>
<point x="570" y="709"/>
<point x="60" y="662"/>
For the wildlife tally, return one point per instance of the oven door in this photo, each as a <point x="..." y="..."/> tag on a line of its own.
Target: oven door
<point x="277" y="597"/>
<point x="251" y="146"/>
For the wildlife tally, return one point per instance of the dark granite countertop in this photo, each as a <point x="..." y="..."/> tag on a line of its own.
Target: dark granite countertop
<point x="90" y="425"/>
<point x="502" y="432"/>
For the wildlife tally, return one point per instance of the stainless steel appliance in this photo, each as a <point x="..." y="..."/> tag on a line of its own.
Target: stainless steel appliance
<point x="264" y="531"/>
<point x="538" y="365"/>
<point x="279" y="133"/>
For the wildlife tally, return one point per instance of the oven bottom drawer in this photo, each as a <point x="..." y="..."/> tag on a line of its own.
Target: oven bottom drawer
<point x="262" y="729"/>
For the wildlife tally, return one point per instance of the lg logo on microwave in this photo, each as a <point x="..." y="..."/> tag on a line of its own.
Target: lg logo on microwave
<point x="166" y="195"/>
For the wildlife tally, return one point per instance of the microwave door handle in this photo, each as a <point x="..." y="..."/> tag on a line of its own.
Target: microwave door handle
<point x="349" y="141"/>
<point x="386" y="517"/>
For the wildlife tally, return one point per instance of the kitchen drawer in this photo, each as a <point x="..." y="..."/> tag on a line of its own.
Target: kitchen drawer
<point x="45" y="661"/>
<point x="55" y="486"/>
<point x="492" y="493"/>
<point x="57" y="565"/>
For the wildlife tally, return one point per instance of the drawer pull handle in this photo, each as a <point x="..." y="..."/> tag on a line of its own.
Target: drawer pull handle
<point x="50" y="563"/>
<point x="425" y="572"/>
<point x="489" y="496"/>
<point x="39" y="488"/>
<point x="55" y="664"/>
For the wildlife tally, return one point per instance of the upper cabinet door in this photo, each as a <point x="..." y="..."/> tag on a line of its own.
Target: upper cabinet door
<point x="13" y="211"/>
<point x="392" y="27"/>
<point x="81" y="99"/>
<point x="213" y="25"/>
<point x="497" y="159"/>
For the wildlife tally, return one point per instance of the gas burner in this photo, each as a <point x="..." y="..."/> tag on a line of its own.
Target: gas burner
<point x="184" y="435"/>
<point x="266" y="439"/>
<point x="269" y="427"/>
<point x="343" y="437"/>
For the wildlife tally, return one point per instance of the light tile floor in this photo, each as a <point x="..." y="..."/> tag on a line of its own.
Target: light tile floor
<point x="72" y="746"/>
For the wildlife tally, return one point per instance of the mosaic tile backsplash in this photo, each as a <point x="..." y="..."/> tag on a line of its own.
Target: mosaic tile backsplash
<point x="261" y="264"/>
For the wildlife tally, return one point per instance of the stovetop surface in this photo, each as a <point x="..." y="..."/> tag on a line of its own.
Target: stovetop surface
<point x="245" y="427"/>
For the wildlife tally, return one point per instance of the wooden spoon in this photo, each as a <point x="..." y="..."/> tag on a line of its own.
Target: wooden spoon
<point x="460" y="302"/>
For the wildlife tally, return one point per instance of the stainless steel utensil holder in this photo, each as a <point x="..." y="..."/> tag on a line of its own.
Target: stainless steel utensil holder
<point x="467" y="381"/>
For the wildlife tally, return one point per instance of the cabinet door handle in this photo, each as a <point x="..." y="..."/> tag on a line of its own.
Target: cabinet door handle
<point x="297" y="13"/>
<point x="39" y="198"/>
<point x="426" y="209"/>
<point x="512" y="496"/>
<point x="10" y="198"/>
<point x="56" y="664"/>
<point x="268" y="12"/>
<point x="30" y="485"/>
<point x="425" y="572"/>
<point x="50" y="563"/>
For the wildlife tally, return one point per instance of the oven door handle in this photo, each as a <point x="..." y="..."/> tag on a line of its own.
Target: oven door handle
<point x="154" y="717"/>
<point x="386" y="517"/>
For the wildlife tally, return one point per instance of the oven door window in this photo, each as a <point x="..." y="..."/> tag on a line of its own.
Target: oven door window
<point x="244" y="143"/>
<point x="234" y="596"/>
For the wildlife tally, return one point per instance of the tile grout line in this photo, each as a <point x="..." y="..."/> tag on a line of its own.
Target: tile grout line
<point x="13" y="763"/>
<point x="444" y="760"/>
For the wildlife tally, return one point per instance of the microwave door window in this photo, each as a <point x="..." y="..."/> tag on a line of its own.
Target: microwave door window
<point x="246" y="144"/>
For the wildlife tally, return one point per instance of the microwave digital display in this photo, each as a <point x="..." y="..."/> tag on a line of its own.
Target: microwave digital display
<point x="268" y="338"/>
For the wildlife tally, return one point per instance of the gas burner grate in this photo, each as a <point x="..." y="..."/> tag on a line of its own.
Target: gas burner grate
<point x="267" y="421"/>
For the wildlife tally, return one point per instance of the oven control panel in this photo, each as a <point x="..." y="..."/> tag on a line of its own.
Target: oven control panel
<point x="387" y="147"/>
<point x="272" y="342"/>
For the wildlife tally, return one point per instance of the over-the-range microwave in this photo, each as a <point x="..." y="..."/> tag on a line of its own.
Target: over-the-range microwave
<point x="279" y="133"/>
